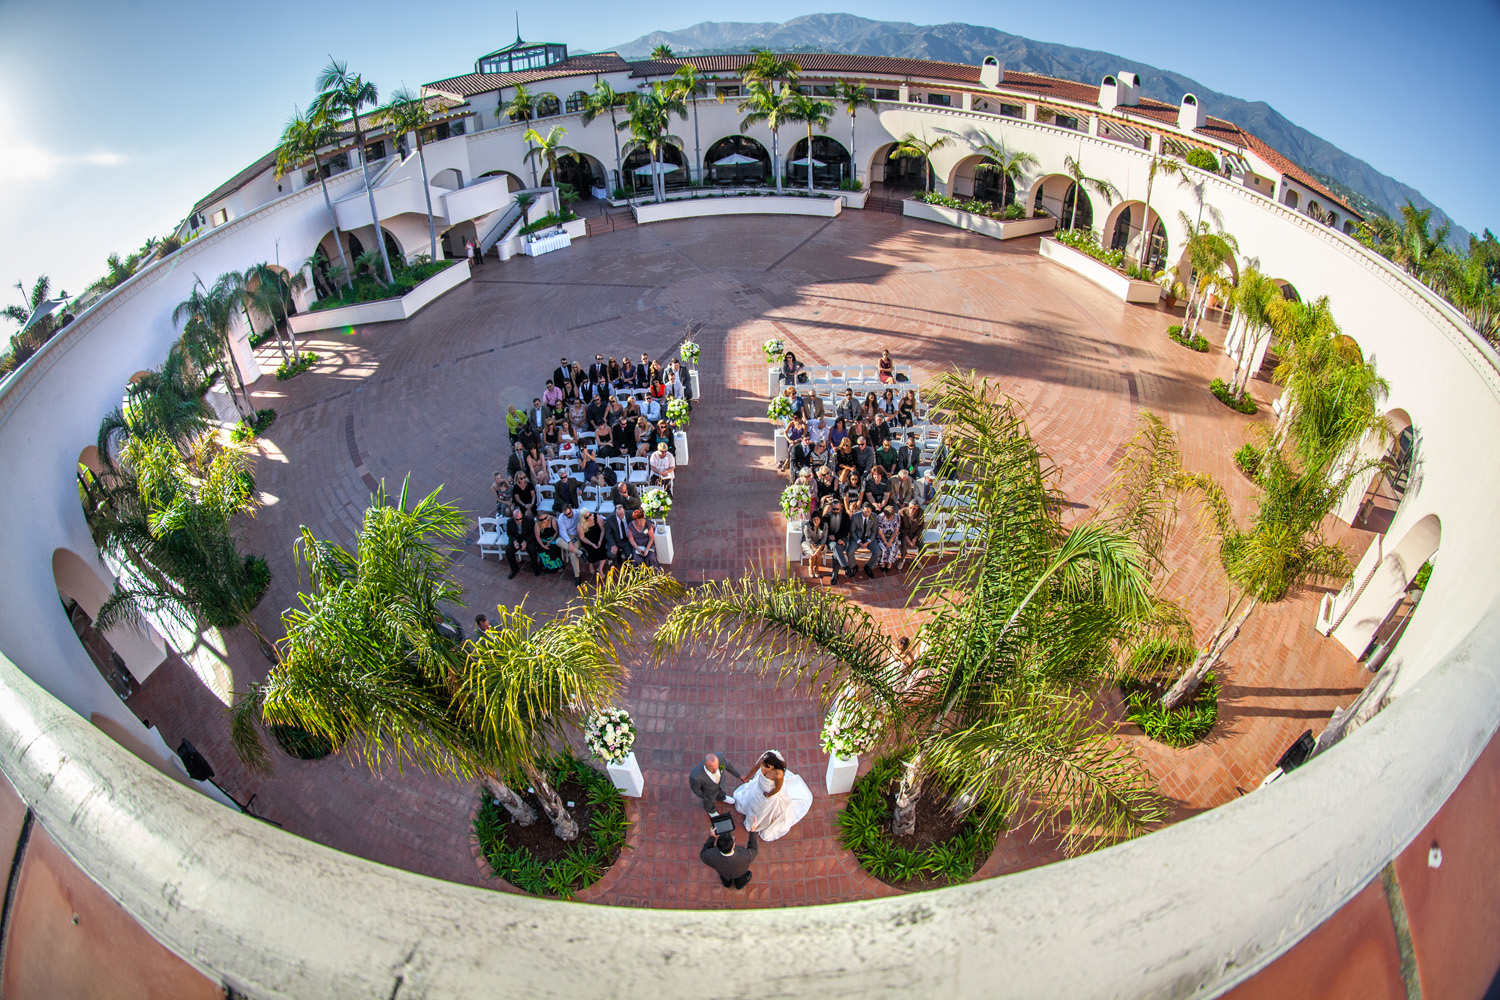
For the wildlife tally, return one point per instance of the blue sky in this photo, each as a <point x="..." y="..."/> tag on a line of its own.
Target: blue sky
<point x="116" y="115"/>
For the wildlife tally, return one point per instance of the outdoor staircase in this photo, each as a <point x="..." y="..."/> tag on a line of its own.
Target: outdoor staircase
<point x="891" y="206"/>
<point x="610" y="220"/>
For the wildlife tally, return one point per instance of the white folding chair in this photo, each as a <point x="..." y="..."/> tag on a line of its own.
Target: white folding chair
<point x="546" y="497"/>
<point x="902" y="370"/>
<point x="560" y="468"/>
<point x="618" y="467"/>
<point x="490" y="538"/>
<point x="640" y="471"/>
<point x="823" y="377"/>
<point x="597" y="500"/>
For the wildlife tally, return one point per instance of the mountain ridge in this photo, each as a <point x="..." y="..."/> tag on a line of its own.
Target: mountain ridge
<point x="969" y="44"/>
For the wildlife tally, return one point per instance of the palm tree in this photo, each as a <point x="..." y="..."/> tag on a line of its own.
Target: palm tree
<point x="601" y="100"/>
<point x="408" y="112"/>
<point x="853" y="96"/>
<point x="687" y="83"/>
<point x="305" y="136"/>
<point x="909" y="147"/>
<point x="1281" y="547"/>
<point x="765" y="105"/>
<point x="1253" y="299"/>
<point x="272" y="294"/>
<point x="1208" y="251"/>
<point x="25" y="343"/>
<point x="1010" y="166"/>
<point x="1167" y="168"/>
<point x="208" y="313"/>
<point x="165" y="402"/>
<point x="366" y="263"/>
<point x="168" y="519"/>
<point x="1082" y="182"/>
<point x="1024" y="616"/>
<point x="548" y="149"/>
<point x="812" y="112"/>
<point x="768" y="68"/>
<point x="662" y="51"/>
<point x="649" y="116"/>
<point x="343" y="92"/>
<point x="521" y="107"/>
<point x="370" y="662"/>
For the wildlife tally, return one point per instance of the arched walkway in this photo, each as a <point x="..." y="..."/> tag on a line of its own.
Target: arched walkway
<point x="894" y="171"/>
<point x="1385" y="484"/>
<point x="583" y="172"/>
<point x="1054" y="195"/>
<point x="831" y="162"/>
<point x="736" y="159"/>
<point x="450" y="179"/>
<point x="1288" y="290"/>
<point x="512" y="182"/>
<point x="123" y="656"/>
<point x="670" y="162"/>
<point x="1377" y="597"/>
<point x="970" y="179"/>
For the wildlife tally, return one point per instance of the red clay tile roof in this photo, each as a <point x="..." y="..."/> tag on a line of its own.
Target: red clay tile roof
<point x="818" y="63"/>
<point x="479" y="83"/>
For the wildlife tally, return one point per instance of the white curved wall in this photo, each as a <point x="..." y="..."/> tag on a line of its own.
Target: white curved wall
<point x="1171" y="903"/>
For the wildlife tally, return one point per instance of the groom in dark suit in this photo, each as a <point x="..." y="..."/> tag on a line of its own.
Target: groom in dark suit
<point x="706" y="780"/>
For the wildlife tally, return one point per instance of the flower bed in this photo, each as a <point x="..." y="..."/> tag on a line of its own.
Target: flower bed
<point x="250" y="427"/>
<point x="532" y="859"/>
<point x="1176" y="727"/>
<point x="291" y="369"/>
<point x="1243" y="403"/>
<point x="790" y="202"/>
<point x="548" y="221"/>
<point x="1192" y="342"/>
<point x="384" y="309"/>
<point x="944" y="850"/>
<point x="1101" y="272"/>
<point x="368" y="289"/>
<point x="976" y="217"/>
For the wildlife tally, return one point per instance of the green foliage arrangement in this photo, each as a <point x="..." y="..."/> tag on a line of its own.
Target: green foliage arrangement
<point x="773" y="349"/>
<point x="304" y="361"/>
<point x="864" y="829"/>
<point x="850" y="184"/>
<point x="247" y="429"/>
<point x="657" y="503"/>
<point x="1248" y="458"/>
<point x="794" y="501"/>
<point x="300" y="743"/>
<point x="584" y="863"/>
<point x="549" y="221"/>
<point x="1177" y="727"/>
<point x="973" y="206"/>
<point x="679" y="413"/>
<point x="1202" y="159"/>
<point x="1419" y="582"/>
<point x="1084" y="241"/>
<point x="368" y="289"/>
<point x="780" y="409"/>
<point x="1241" y="401"/>
<point x="1191" y="341"/>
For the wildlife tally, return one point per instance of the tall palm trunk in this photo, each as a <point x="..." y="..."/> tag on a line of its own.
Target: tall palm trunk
<point x="809" y="159"/>
<point x="619" y="164"/>
<point x="333" y="220"/>
<point x="427" y="192"/>
<point x="908" y="792"/>
<point x="364" y="168"/>
<point x="776" y="159"/>
<point x="520" y="811"/>
<point x="697" y="143"/>
<point x="1144" y="253"/>
<point x="563" y="823"/>
<point x="234" y="366"/>
<point x="1226" y="633"/>
<point x="853" y="156"/>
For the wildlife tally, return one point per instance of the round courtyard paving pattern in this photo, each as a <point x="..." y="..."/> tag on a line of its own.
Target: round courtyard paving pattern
<point x="427" y="397"/>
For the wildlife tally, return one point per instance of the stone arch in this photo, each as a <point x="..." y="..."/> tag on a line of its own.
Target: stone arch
<point x="512" y="182"/>
<point x="1380" y="585"/>
<point x="670" y="156"/>
<point x="584" y="172"/>
<point x="1288" y="290"/>
<point x="899" y="171"/>
<point x="449" y="178"/>
<point x="1374" y="498"/>
<point x="547" y="105"/>
<point x="731" y="147"/>
<point x="968" y="180"/>
<point x="1122" y="225"/>
<point x="1053" y="194"/>
<point x="88" y="459"/>
<point x="828" y="151"/>
<point x="123" y="656"/>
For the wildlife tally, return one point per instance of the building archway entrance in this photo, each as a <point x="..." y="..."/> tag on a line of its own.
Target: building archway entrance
<point x="831" y="162"/>
<point x="582" y="172"/>
<point x="737" y="159"/>
<point x="670" y="163"/>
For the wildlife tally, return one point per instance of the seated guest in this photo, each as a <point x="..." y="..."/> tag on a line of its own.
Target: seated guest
<point x="552" y="438"/>
<point x="642" y="537"/>
<point x="577" y="415"/>
<point x="598" y="370"/>
<point x="877" y="487"/>
<point x="576" y="381"/>
<point x="887" y="367"/>
<point x="812" y="405"/>
<point x="594" y="412"/>
<point x="653" y="410"/>
<point x="548" y="548"/>
<point x="537" y="467"/>
<point x="791" y="370"/>
<point x="913" y="523"/>
<point x="518" y="539"/>
<point x="814" y="542"/>
<point x="593" y="470"/>
<point x="903" y="488"/>
<point x="837" y="432"/>
<point x="552" y="397"/>
<point x="656" y="390"/>
<point x="798" y="460"/>
<point x="675" y="388"/>
<point x="864" y="457"/>
<point x="838" y="539"/>
<point x="514" y="421"/>
<point x="627" y="376"/>
<point x="517" y="462"/>
<point x="538" y="413"/>
<point x="567" y="540"/>
<point x="662" y="434"/>
<point x="870" y="408"/>
<point x="567" y="491"/>
<point x="848" y="407"/>
<point x="523" y="494"/>
<point x="849" y="482"/>
<point x="906" y="413"/>
<point x="888" y="457"/>
<point x="645" y="436"/>
<point x="863" y="540"/>
<point x="632" y="408"/>
<point x="879" y="431"/>
<point x="591" y="542"/>
<point x="826" y="486"/>
<point x="663" y="467"/>
<point x="617" y="536"/>
<point x="604" y="441"/>
<point x="796" y="429"/>
<point x="643" y="371"/>
<point x="560" y="374"/>
<point x="615" y="411"/>
<point x="625" y="496"/>
<point x="819" y="455"/>
<point x="909" y="456"/>
<point x="530" y="436"/>
<point x="844" y="457"/>
<point x="502" y="492"/>
<point x="926" y="488"/>
<point x="614" y="372"/>
<point x="818" y="428"/>
<point x="888" y="402"/>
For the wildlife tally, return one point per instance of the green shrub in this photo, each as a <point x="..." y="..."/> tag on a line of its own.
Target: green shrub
<point x="285" y="371"/>
<point x="584" y="863"/>
<point x="1248" y="457"/>
<point x="1178" y="727"/>
<point x="1202" y="159"/>
<point x="1243" y="403"/>
<point x="1084" y="241"/>
<point x="850" y="184"/>
<point x="549" y="221"/>
<point x="1424" y="574"/>
<point x="300" y="743"/>
<point x="864" y="829"/>
<point x="973" y="206"/>
<point x="252" y="425"/>
<point x="368" y="289"/>
<point x="1194" y="342"/>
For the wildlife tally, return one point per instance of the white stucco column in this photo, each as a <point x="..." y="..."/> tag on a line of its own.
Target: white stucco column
<point x="968" y="101"/>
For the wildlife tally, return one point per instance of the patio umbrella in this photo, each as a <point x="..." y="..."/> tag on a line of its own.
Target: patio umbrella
<point x="734" y="160"/>
<point x="803" y="162"/>
<point x="657" y="168"/>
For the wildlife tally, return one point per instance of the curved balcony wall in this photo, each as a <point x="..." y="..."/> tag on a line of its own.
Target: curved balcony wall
<point x="1171" y="914"/>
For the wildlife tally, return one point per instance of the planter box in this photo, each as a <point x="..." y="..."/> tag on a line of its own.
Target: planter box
<point x="627" y="776"/>
<point x="1101" y="274"/>
<point x="384" y="310"/>
<point x="691" y="208"/>
<point x="841" y="774"/>
<point x="1000" y="229"/>
<point x="854" y="199"/>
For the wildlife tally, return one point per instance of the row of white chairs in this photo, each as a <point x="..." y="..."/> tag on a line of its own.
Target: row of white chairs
<point x="855" y="376"/>
<point x="626" y="469"/>
<point x="493" y="536"/>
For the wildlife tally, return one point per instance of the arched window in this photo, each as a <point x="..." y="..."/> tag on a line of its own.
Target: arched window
<point x="576" y="101"/>
<point x="548" y="105"/>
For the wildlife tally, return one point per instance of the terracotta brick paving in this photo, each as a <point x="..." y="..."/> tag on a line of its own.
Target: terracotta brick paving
<point x="427" y="396"/>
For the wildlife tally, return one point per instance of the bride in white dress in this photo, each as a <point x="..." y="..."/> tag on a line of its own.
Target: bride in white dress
<point x="773" y="800"/>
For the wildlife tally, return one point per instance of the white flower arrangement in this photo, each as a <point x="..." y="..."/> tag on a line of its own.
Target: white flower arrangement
<point x="773" y="349"/>
<point x="780" y="409"/>
<point x="657" y="503"/>
<point x="678" y="412"/>
<point x="794" y="501"/>
<point x="689" y="352"/>
<point x="610" y="735"/>
<point x="850" y="729"/>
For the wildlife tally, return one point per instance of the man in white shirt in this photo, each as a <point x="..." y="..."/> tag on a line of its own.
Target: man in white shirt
<point x="663" y="466"/>
<point x="651" y="409"/>
<point x="567" y="539"/>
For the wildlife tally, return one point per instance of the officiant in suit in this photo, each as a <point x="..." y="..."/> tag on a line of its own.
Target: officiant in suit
<point x="707" y="781"/>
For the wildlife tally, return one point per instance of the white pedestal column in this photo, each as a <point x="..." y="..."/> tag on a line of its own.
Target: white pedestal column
<point x="841" y="774"/>
<point x="794" y="543"/>
<point x="778" y="440"/>
<point x="664" y="551"/>
<point x="679" y="438"/>
<point x="627" y="776"/>
<point x="693" y="381"/>
<point x="773" y="382"/>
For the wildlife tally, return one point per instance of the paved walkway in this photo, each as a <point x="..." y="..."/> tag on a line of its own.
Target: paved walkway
<point x="427" y="397"/>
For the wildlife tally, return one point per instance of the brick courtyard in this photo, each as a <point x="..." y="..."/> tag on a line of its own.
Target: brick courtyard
<point x="427" y="397"/>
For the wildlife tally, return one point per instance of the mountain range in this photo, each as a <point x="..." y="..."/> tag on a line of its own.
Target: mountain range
<point x="1346" y="175"/>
